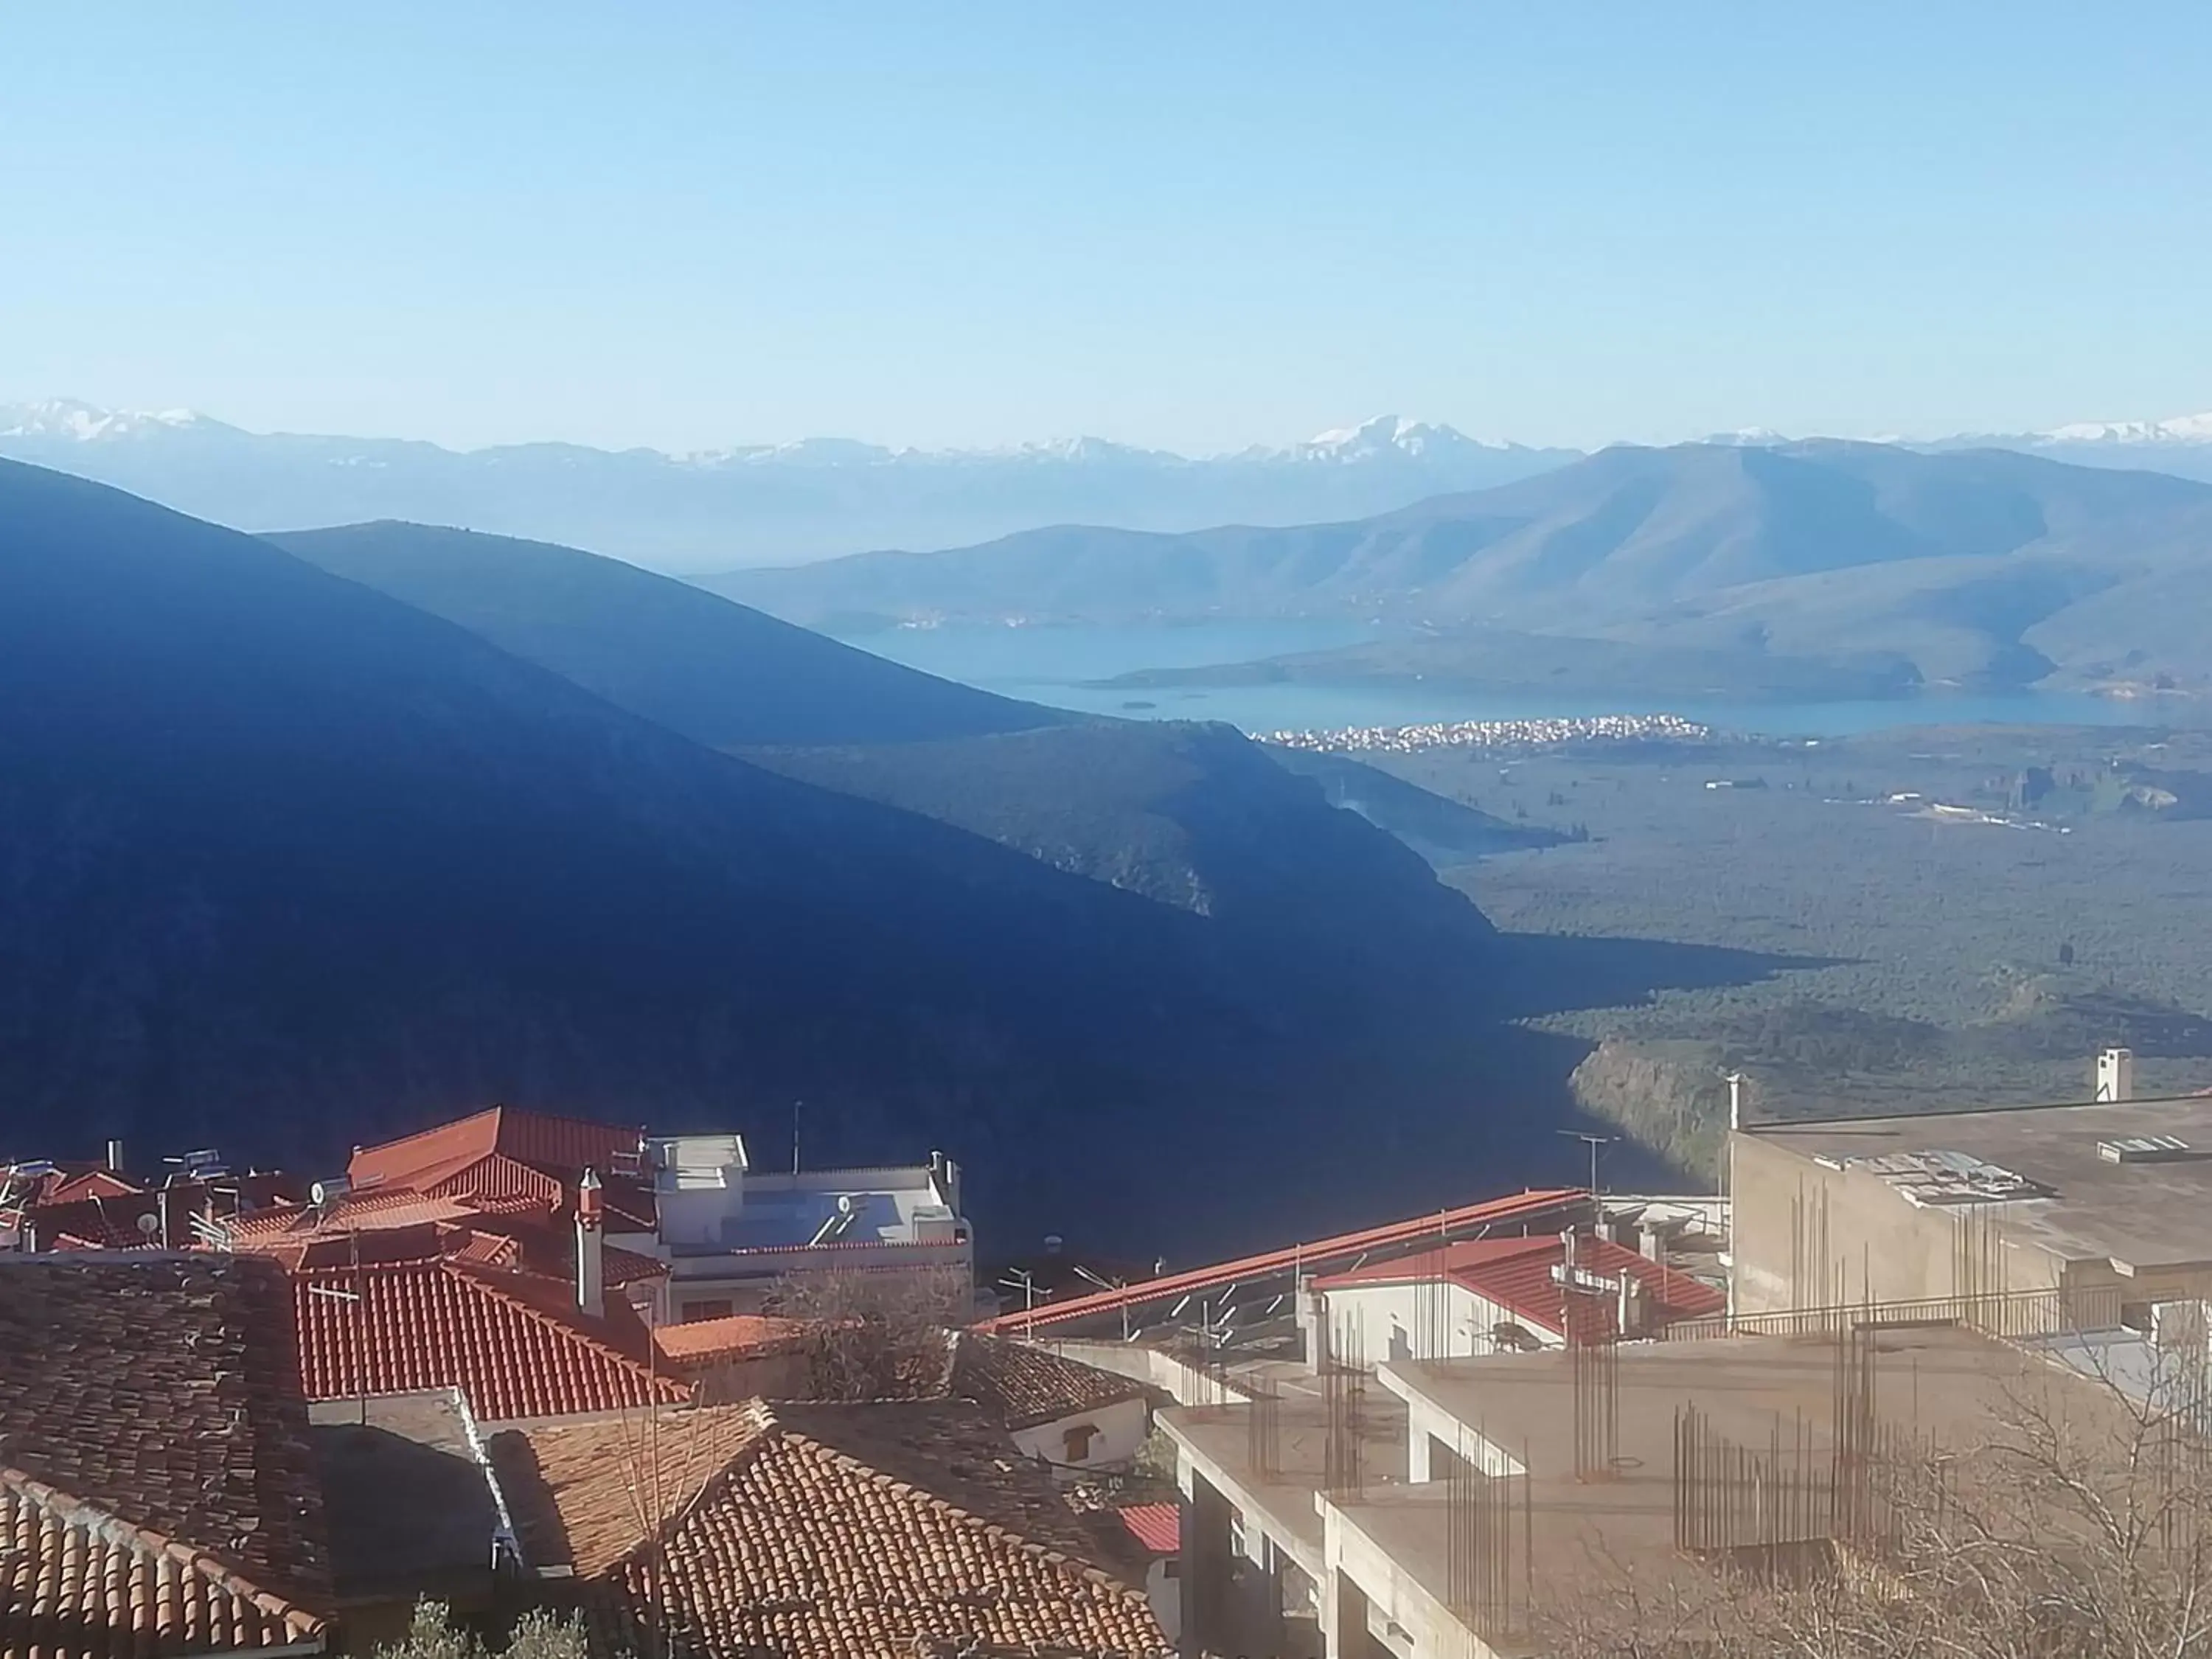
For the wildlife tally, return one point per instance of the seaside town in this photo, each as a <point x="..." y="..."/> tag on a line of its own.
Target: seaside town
<point x="625" y="1393"/>
<point x="1500" y="736"/>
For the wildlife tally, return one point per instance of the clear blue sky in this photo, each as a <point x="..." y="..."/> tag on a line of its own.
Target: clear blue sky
<point x="1197" y="225"/>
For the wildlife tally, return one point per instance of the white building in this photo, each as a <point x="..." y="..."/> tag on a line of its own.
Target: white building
<point x="728" y="1232"/>
<point x="1492" y="1296"/>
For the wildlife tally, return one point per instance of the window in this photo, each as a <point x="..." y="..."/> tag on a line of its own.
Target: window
<point x="1078" y="1441"/>
<point x="694" y="1311"/>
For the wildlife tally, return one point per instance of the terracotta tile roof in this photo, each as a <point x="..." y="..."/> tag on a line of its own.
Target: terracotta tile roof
<point x="371" y="1212"/>
<point x="157" y="1486"/>
<point x="78" y="1583"/>
<point x="501" y="1152"/>
<point x="1515" y="1273"/>
<point x="1157" y="1527"/>
<point x="700" y="1340"/>
<point x="1462" y="1256"/>
<point x="787" y="1530"/>
<point x="402" y="1225"/>
<point x="92" y="1183"/>
<point x="1024" y="1386"/>
<point x="507" y="1341"/>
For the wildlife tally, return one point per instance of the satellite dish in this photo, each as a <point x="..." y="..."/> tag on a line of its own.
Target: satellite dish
<point x="148" y="1223"/>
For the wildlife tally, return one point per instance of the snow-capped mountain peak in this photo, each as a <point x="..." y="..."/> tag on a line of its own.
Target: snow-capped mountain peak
<point x="1416" y="439"/>
<point x="2180" y="430"/>
<point x="83" y="422"/>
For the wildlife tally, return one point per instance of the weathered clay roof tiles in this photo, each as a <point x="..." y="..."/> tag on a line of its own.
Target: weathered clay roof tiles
<point x="798" y="1544"/>
<point x="157" y="1489"/>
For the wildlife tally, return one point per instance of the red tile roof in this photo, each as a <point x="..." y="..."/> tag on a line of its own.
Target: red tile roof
<point x="506" y="1340"/>
<point x="401" y="1226"/>
<point x="157" y="1487"/>
<point x="1517" y="1273"/>
<point x="93" y="1183"/>
<point x="700" y="1339"/>
<point x="1463" y="1256"/>
<point x="817" y="1533"/>
<point x="1157" y="1527"/>
<point x="370" y="1212"/>
<point x="501" y="1152"/>
<point x="1526" y="1208"/>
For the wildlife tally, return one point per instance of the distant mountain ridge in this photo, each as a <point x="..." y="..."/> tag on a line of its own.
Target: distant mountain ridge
<point x="1699" y="570"/>
<point x="762" y="503"/>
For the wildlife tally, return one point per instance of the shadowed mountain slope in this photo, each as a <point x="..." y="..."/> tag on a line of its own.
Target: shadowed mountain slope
<point x="719" y="673"/>
<point x="1196" y="818"/>
<point x="287" y="865"/>
<point x="291" y="862"/>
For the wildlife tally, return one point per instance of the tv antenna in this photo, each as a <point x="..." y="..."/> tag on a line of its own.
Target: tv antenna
<point x="1595" y="1143"/>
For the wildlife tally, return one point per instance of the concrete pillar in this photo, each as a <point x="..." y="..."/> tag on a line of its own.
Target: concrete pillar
<point x="1205" y="1569"/>
<point x="1265" y="1624"/>
<point x="1345" y="1633"/>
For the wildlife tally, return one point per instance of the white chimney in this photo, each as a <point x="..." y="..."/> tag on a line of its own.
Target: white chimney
<point x="591" y="1260"/>
<point x="1630" y="1316"/>
<point x="115" y="1157"/>
<point x="2116" y="1075"/>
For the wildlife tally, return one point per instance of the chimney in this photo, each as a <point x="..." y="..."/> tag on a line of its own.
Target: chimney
<point x="1630" y="1316"/>
<point x="115" y="1157"/>
<point x="2116" y="1075"/>
<point x="164" y="1230"/>
<point x="591" y="1261"/>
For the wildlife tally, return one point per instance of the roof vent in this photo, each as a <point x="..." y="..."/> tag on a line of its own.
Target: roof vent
<point x="2144" y="1149"/>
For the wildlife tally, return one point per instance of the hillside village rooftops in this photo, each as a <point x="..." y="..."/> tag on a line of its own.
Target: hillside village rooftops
<point x="816" y="1532"/>
<point x="157" y="1487"/>
<point x="504" y="1153"/>
<point x="2043" y="1166"/>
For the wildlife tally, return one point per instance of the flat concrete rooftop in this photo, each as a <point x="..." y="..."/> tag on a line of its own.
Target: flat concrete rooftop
<point x="2144" y="1214"/>
<point x="1281" y="1499"/>
<point x="1944" y="1381"/>
<point x="1950" y="1385"/>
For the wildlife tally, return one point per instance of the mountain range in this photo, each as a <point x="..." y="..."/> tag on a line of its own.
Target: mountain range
<point x="310" y="842"/>
<point x="1797" y="570"/>
<point x="761" y="504"/>
<point x="820" y="497"/>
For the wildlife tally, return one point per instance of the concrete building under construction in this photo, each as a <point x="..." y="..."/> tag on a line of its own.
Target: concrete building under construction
<point x="2107" y="1201"/>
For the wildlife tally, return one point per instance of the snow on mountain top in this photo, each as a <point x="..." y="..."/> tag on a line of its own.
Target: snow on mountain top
<point x="1381" y="435"/>
<point x="66" y="417"/>
<point x="2181" y="429"/>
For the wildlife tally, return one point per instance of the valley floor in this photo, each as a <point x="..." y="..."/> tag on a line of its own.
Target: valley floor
<point x="1946" y="915"/>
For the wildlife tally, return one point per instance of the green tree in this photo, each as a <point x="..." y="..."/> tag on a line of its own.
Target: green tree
<point x="537" y="1635"/>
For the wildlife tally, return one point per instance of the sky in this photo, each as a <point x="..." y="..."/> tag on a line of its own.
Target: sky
<point x="1193" y="226"/>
